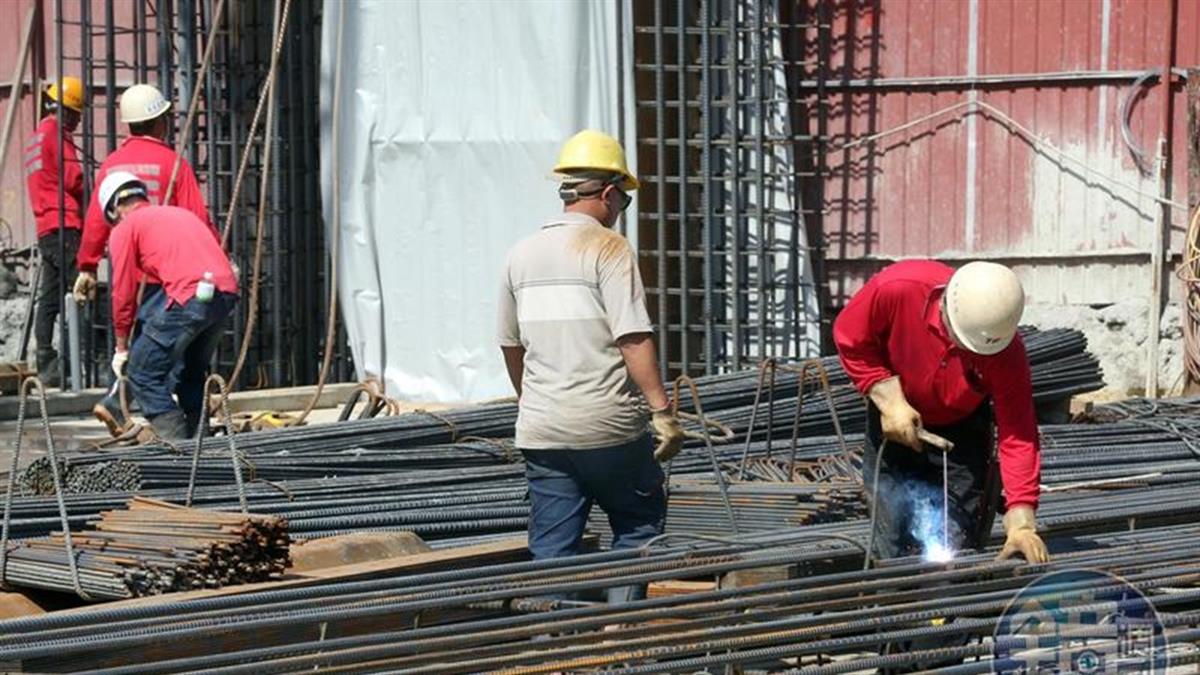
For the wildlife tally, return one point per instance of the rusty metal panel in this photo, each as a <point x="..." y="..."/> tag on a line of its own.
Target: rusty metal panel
<point x="1079" y="224"/>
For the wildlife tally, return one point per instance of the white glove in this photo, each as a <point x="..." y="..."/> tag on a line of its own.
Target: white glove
<point x="118" y="363"/>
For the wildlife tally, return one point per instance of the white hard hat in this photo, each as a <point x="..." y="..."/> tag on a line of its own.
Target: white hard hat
<point x="116" y="186"/>
<point x="142" y="102"/>
<point x="984" y="302"/>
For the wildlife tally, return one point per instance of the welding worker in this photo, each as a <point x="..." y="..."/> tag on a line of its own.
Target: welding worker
<point x="172" y="353"/>
<point x="579" y="350"/>
<point x="935" y="348"/>
<point x="145" y="154"/>
<point x="42" y="178"/>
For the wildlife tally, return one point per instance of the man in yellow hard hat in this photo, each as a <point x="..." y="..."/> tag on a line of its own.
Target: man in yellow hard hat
<point x="579" y="349"/>
<point x="58" y="247"/>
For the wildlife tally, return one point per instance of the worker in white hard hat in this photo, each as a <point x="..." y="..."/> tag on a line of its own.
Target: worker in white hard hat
<point x="145" y="154"/>
<point x="57" y="245"/>
<point x="938" y="349"/>
<point x="170" y="358"/>
<point x="579" y="348"/>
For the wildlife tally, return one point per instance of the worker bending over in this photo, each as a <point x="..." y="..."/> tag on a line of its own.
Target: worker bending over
<point x="145" y="154"/>
<point x="178" y="338"/>
<point x="937" y="349"/>
<point x="578" y="347"/>
<point x="42" y="165"/>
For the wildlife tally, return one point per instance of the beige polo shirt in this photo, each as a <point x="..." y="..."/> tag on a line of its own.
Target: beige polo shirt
<point x="567" y="293"/>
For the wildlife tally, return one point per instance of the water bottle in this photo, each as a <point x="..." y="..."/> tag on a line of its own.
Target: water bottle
<point x="206" y="288"/>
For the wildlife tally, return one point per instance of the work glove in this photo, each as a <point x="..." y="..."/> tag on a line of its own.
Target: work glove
<point x="119" y="358"/>
<point x="85" y="287"/>
<point x="1020" y="525"/>
<point x="669" y="433"/>
<point x="900" y="420"/>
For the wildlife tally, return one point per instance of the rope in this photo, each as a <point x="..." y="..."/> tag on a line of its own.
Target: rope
<point x="443" y="420"/>
<point x="1022" y="131"/>
<point x="186" y="133"/>
<point x="255" y="277"/>
<point x="235" y="456"/>
<point x="495" y="443"/>
<point x="68" y="544"/>
<point x="336" y="225"/>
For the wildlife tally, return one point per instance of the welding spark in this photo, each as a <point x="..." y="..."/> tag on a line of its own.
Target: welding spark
<point x="927" y="525"/>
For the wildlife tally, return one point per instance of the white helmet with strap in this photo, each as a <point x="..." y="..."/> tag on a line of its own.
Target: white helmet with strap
<point x="984" y="303"/>
<point x="116" y="186"/>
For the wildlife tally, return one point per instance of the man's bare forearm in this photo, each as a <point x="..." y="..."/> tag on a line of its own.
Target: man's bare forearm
<point x="514" y="363"/>
<point x="641" y="360"/>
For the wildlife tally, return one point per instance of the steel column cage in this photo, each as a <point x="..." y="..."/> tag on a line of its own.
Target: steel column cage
<point x="122" y="42"/>
<point x="729" y="234"/>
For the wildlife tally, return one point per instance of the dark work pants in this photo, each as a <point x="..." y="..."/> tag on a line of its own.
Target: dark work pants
<point x="173" y="352"/>
<point x="626" y="482"/>
<point x="49" y="294"/>
<point x="911" y="481"/>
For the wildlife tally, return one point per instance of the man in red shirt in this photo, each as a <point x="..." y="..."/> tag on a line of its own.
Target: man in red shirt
<point x="146" y="155"/>
<point x="42" y="164"/>
<point x="178" y="338"/>
<point x="934" y="348"/>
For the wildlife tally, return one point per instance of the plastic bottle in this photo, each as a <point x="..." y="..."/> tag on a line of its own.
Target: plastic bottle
<point x="206" y="287"/>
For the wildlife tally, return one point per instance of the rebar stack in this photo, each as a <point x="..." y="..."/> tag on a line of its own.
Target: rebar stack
<point x="834" y="618"/>
<point x="155" y="547"/>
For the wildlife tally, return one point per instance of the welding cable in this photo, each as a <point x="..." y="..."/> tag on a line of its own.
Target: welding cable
<point x="1140" y="156"/>
<point x="869" y="553"/>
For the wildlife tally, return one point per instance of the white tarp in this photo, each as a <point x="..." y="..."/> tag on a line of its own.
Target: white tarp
<point x="451" y="116"/>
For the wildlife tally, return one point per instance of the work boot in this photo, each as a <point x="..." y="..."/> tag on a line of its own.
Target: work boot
<point x="171" y="426"/>
<point x="49" y="367"/>
<point x="108" y="411"/>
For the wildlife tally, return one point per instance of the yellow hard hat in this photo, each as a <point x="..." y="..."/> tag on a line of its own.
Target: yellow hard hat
<point x="591" y="150"/>
<point x="72" y="93"/>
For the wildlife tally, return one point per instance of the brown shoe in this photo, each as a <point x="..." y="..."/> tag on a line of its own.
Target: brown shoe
<point x="108" y="411"/>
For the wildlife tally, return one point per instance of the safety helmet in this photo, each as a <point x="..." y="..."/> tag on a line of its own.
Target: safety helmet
<point x="591" y="150"/>
<point x="69" y="94"/>
<point x="116" y="186"/>
<point x="984" y="302"/>
<point x="142" y="102"/>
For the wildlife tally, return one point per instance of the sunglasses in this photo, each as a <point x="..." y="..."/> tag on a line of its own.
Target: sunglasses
<point x="626" y="198"/>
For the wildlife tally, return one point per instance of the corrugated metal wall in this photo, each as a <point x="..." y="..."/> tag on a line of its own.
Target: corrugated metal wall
<point x="973" y="185"/>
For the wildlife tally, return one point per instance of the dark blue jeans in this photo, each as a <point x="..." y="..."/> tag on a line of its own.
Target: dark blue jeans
<point x="173" y="351"/>
<point x="624" y="480"/>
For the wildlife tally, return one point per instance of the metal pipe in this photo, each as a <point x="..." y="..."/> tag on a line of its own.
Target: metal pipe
<point x="662" y="284"/>
<point x="62" y="231"/>
<point x="685" y="354"/>
<point x="72" y="320"/>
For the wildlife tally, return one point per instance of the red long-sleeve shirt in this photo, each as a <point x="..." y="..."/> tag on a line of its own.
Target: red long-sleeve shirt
<point x="893" y="326"/>
<point x="41" y="177"/>
<point x="151" y="160"/>
<point x="170" y="244"/>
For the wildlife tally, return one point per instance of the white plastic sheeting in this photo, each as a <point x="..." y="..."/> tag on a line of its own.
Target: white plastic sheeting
<point x="452" y="113"/>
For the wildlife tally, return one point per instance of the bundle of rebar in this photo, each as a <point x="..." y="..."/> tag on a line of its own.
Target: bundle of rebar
<point x="107" y="475"/>
<point x="153" y="547"/>
<point x="502" y="618"/>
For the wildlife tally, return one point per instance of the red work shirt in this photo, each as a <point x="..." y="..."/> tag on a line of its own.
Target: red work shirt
<point x="170" y="244"/>
<point x="151" y="160"/>
<point x="893" y="326"/>
<point x="41" y="177"/>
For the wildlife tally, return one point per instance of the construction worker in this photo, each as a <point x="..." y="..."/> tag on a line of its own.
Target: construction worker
<point x="42" y="164"/>
<point x="172" y="353"/>
<point x="578" y="346"/>
<point x="146" y="155"/>
<point x="937" y="349"/>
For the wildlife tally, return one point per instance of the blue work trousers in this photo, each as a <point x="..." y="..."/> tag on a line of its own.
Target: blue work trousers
<point x="172" y="353"/>
<point x="626" y="482"/>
